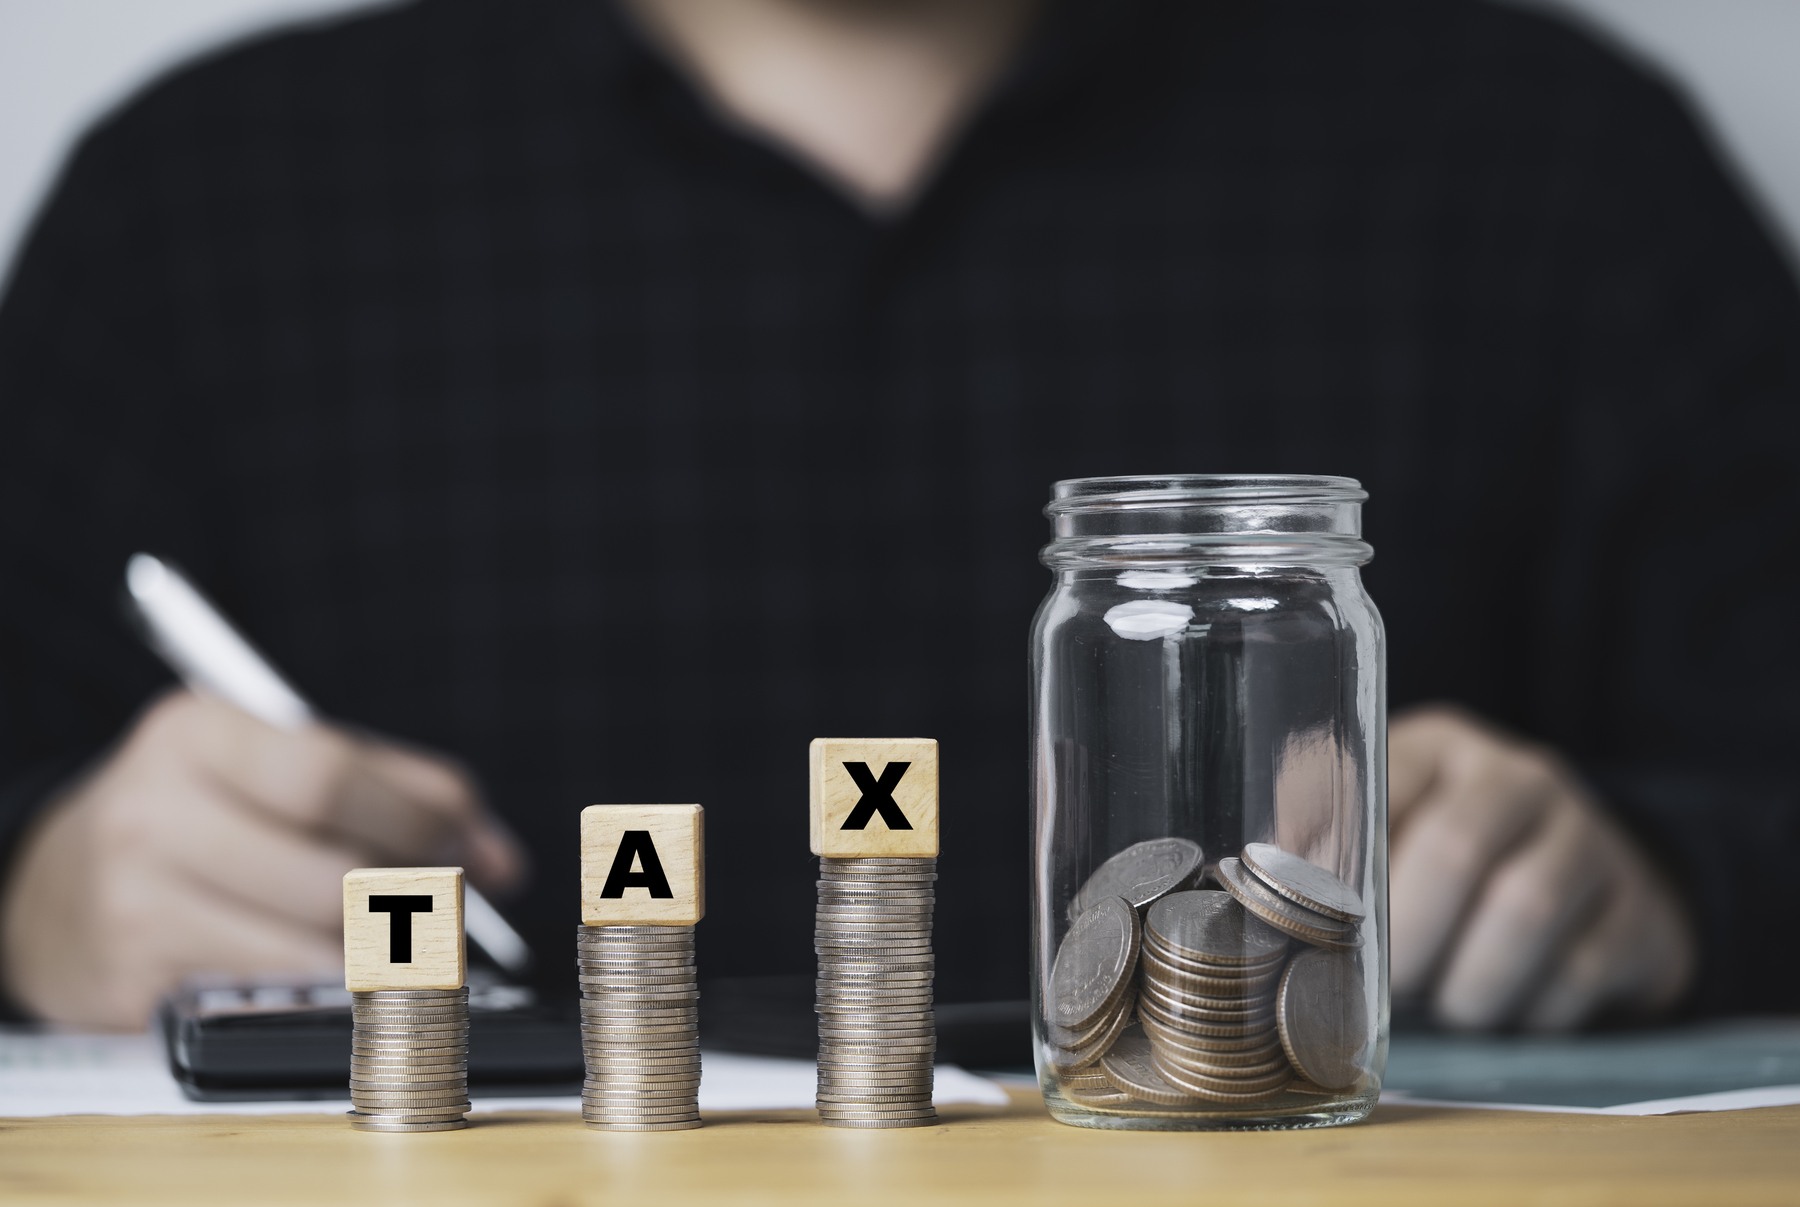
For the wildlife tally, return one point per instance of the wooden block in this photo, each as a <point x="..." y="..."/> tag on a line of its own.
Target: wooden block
<point x="403" y="929"/>
<point x="643" y="865"/>
<point x="875" y="797"/>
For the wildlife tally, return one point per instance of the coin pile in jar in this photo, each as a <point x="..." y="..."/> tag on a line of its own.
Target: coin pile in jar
<point x="409" y="1060"/>
<point x="877" y="1037"/>
<point x="1166" y="995"/>
<point x="640" y="1028"/>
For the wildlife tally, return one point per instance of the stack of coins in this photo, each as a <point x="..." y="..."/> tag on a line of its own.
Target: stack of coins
<point x="1169" y="996"/>
<point x="409" y="1060"/>
<point x="640" y="1028"/>
<point x="877" y="1038"/>
<point x="1207" y="999"/>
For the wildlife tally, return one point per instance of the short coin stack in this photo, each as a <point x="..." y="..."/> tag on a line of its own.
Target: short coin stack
<point x="1295" y="896"/>
<point x="1207" y="999"/>
<point x="640" y="1029"/>
<point x="1093" y="989"/>
<point x="877" y="1038"/>
<point x="409" y="1060"/>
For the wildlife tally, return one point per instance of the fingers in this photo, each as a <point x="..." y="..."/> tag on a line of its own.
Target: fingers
<point x="1416" y="741"/>
<point x="480" y="843"/>
<point x="1637" y="957"/>
<point x="194" y="931"/>
<point x="1486" y="800"/>
<point x="245" y="857"/>
<point x="220" y="936"/>
<point x="1525" y="915"/>
<point x="1589" y="976"/>
<point x="387" y="803"/>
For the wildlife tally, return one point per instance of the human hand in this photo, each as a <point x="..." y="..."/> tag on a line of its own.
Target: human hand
<point x="1515" y="899"/>
<point x="208" y="841"/>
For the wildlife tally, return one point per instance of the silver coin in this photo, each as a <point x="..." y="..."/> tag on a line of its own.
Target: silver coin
<point x="1323" y="1018"/>
<point x="619" y="936"/>
<point x="1228" y="1093"/>
<point x="1094" y="963"/>
<point x="362" y="996"/>
<point x="1304" y="882"/>
<point x="382" y="1125"/>
<point x="1143" y="873"/>
<point x="1211" y="925"/>
<point x="1285" y="915"/>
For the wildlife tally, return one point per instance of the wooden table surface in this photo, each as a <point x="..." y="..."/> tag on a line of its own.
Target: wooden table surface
<point x="1401" y="1155"/>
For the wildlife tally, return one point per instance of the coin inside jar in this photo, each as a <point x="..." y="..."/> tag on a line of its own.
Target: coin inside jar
<point x="1094" y="964"/>
<point x="1142" y="873"/>
<point x="1323" y="1018"/>
<point x="1209" y="925"/>
<point x="1303" y="881"/>
<point x="1131" y="1070"/>
<point x="1286" y="915"/>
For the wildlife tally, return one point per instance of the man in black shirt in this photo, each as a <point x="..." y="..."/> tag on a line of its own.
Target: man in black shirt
<point x="618" y="397"/>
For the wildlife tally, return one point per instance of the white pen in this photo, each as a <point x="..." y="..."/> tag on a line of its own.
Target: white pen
<point x="211" y="656"/>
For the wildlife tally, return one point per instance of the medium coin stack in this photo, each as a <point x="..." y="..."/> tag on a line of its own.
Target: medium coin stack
<point x="1207" y="1000"/>
<point x="877" y="1037"/>
<point x="640" y="1028"/>
<point x="409" y="1060"/>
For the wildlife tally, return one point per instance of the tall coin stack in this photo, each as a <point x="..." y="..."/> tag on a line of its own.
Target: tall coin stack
<point x="877" y="1040"/>
<point x="640" y="1028"/>
<point x="409" y="1060"/>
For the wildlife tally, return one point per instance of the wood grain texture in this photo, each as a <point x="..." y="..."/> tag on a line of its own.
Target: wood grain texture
<point x="676" y="834"/>
<point x="838" y="799"/>
<point x="1400" y="1157"/>
<point x="438" y="959"/>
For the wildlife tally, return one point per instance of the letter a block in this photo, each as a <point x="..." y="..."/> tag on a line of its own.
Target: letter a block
<point x="643" y="865"/>
<point x="403" y="929"/>
<point x="875" y="798"/>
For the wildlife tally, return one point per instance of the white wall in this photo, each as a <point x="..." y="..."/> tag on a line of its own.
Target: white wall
<point x="64" y="61"/>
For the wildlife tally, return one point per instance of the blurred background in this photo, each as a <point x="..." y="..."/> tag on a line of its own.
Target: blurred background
<point x="63" y="63"/>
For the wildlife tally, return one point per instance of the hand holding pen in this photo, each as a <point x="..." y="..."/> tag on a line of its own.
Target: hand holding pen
<point x="209" y="840"/>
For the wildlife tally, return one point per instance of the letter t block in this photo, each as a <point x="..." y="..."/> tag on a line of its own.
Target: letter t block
<point x="643" y="865"/>
<point x="403" y="929"/>
<point x="875" y="798"/>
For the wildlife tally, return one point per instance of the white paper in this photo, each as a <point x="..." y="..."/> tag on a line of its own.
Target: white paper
<point x="1723" y="1100"/>
<point x="74" y="1074"/>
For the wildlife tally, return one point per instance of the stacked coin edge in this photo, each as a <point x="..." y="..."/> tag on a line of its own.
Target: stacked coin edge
<point x="409" y="1060"/>
<point x="877" y="1034"/>
<point x="640" y="1033"/>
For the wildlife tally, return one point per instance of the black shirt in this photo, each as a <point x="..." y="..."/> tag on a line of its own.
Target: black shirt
<point x="517" y="405"/>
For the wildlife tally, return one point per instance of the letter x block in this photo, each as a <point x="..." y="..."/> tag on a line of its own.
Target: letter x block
<point x="403" y="929"/>
<point x="875" y="798"/>
<point x="643" y="865"/>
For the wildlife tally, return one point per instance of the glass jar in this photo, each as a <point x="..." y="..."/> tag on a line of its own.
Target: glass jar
<point x="1209" y="812"/>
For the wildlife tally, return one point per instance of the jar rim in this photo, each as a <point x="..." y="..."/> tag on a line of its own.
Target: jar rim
<point x="1130" y="491"/>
